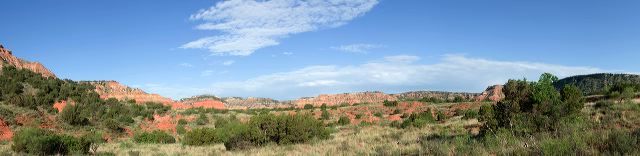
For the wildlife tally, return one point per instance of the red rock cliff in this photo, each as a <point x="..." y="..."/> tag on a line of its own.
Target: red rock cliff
<point x="113" y="89"/>
<point x="8" y="59"/>
<point x="348" y="98"/>
<point x="493" y="93"/>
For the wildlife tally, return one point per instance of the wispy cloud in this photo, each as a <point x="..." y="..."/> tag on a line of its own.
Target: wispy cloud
<point x="287" y="53"/>
<point x="394" y="73"/>
<point x="206" y="73"/>
<point x="248" y="25"/>
<point x="188" y="65"/>
<point x="357" y="48"/>
<point x="228" y="62"/>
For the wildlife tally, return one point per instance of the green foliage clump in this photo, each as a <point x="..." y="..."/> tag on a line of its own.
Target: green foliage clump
<point x="72" y="114"/>
<point x="344" y="120"/>
<point x="470" y="114"/>
<point x="387" y="103"/>
<point x="532" y="106"/>
<point x="155" y="137"/>
<point x="42" y="142"/>
<point x="281" y="129"/>
<point x="308" y="106"/>
<point x="201" y="136"/>
<point x="418" y="120"/>
<point x="202" y="119"/>
<point x="440" y="116"/>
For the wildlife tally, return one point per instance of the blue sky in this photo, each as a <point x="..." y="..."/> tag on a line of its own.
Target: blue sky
<point x="286" y="49"/>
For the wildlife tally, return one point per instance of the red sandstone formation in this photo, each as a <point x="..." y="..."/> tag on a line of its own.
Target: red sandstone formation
<point x="346" y="98"/>
<point x="209" y="104"/>
<point x="493" y="93"/>
<point x="60" y="105"/>
<point x="8" y="59"/>
<point x="203" y="101"/>
<point x="113" y="89"/>
<point x="5" y="132"/>
<point x="253" y="102"/>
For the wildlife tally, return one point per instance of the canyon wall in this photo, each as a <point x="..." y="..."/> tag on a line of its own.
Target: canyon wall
<point x="113" y="89"/>
<point x="8" y="59"/>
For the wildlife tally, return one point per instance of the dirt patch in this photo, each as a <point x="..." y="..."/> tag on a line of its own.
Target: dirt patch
<point x="5" y="131"/>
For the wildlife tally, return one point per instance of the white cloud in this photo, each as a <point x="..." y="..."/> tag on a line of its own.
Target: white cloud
<point x="394" y="73"/>
<point x="228" y="62"/>
<point x="402" y="59"/>
<point x="357" y="48"/>
<point x="248" y="25"/>
<point x="188" y="65"/>
<point x="206" y="73"/>
<point x="287" y="53"/>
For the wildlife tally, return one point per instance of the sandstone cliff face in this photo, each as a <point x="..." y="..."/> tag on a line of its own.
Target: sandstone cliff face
<point x="8" y="59"/>
<point x="253" y="102"/>
<point x="493" y="93"/>
<point x="113" y="89"/>
<point x="348" y="98"/>
<point x="436" y="94"/>
<point x="204" y="101"/>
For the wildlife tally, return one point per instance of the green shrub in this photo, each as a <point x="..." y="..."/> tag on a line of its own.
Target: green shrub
<point x="155" y="137"/>
<point x="418" y="120"/>
<point x="202" y="119"/>
<point x="308" y="106"/>
<point x="266" y="128"/>
<point x="620" y="143"/>
<point x="397" y="111"/>
<point x="201" y="136"/>
<point x="181" y="130"/>
<point x="42" y="142"/>
<point x="182" y="122"/>
<point x="470" y="114"/>
<point x="378" y="114"/>
<point x="387" y="103"/>
<point x="344" y="120"/>
<point x="440" y="116"/>
<point x="359" y="116"/>
<point x="325" y="115"/>
<point x="71" y="114"/>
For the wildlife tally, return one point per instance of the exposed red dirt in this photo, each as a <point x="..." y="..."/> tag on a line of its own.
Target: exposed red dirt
<point x="60" y="105"/>
<point x="5" y="131"/>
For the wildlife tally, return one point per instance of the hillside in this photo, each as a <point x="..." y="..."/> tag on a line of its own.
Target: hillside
<point x="8" y="59"/>
<point x="595" y="83"/>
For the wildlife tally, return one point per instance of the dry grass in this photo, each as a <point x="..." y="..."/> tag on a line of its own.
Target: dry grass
<point x="352" y="140"/>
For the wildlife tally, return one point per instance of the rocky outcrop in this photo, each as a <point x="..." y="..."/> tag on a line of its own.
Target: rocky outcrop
<point x="436" y="94"/>
<point x="253" y="102"/>
<point x="8" y="59"/>
<point x="203" y="101"/>
<point x="113" y="89"/>
<point x="492" y="93"/>
<point x="345" y="98"/>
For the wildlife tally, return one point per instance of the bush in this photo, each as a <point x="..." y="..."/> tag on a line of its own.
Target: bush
<point x="42" y="142"/>
<point x="200" y="137"/>
<point x="620" y="143"/>
<point x="440" y="116"/>
<point x="387" y="103"/>
<point x="267" y="128"/>
<point x="325" y="115"/>
<point x="418" y="120"/>
<point x="359" y="116"/>
<point x="470" y="114"/>
<point x="202" y="119"/>
<point x="378" y="114"/>
<point x="71" y="114"/>
<point x="155" y="137"/>
<point x="308" y="106"/>
<point x="182" y="122"/>
<point x="344" y="120"/>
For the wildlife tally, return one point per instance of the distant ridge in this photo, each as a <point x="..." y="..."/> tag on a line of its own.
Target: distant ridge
<point x="594" y="83"/>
